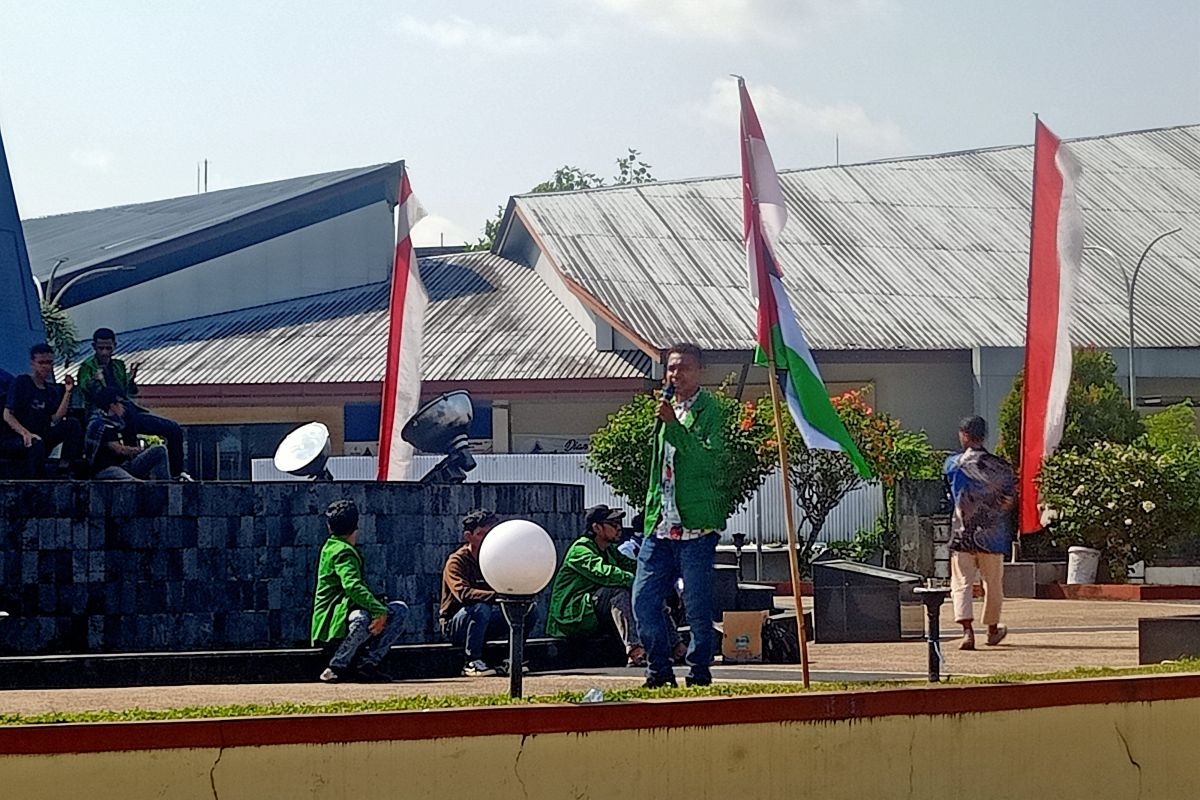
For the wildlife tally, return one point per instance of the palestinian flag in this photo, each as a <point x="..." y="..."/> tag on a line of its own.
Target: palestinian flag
<point x="780" y="339"/>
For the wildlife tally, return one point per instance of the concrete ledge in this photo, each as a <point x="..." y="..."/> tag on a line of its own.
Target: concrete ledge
<point x="1168" y="638"/>
<point x="298" y="665"/>
<point x="1022" y="578"/>
<point x="1116" y="591"/>
<point x="574" y="720"/>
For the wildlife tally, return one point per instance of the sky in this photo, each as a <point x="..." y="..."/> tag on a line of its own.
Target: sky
<point x="104" y="104"/>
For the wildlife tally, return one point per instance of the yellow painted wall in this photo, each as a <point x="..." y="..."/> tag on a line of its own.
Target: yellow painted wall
<point x="1086" y="752"/>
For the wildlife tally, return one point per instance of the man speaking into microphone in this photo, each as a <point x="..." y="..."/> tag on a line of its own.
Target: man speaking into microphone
<point x="685" y="513"/>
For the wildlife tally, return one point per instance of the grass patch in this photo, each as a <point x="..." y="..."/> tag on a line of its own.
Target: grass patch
<point x="426" y="702"/>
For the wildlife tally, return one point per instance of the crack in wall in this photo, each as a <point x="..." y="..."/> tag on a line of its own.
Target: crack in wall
<point x="517" y="765"/>
<point x="912" y="741"/>
<point x="212" y="776"/>
<point x="1129" y="755"/>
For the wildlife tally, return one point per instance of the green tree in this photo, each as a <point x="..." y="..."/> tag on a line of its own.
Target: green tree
<point x="569" y="179"/>
<point x="822" y="478"/>
<point x="1097" y="411"/>
<point x="1171" y="428"/>
<point x="631" y="169"/>
<point x="621" y="451"/>
<point x="61" y="333"/>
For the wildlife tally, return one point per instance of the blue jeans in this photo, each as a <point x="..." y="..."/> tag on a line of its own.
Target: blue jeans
<point x="145" y="422"/>
<point x="474" y="624"/>
<point x="360" y="632"/>
<point x="660" y="563"/>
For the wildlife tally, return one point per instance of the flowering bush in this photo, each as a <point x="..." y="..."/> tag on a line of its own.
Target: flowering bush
<point x="821" y="478"/>
<point x="1125" y="501"/>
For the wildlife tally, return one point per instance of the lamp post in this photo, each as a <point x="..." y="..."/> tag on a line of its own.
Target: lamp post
<point x="1130" y="286"/>
<point x="517" y="559"/>
<point x="933" y="597"/>
<point x="44" y="292"/>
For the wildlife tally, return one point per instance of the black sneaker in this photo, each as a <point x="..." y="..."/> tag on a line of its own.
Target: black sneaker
<point x="690" y="681"/>
<point x="657" y="682"/>
<point x="371" y="673"/>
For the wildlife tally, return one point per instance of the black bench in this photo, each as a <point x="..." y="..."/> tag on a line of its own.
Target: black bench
<point x="294" y="665"/>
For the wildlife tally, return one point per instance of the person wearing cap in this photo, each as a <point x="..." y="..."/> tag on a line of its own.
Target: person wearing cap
<point x="983" y="488"/>
<point x="469" y="611"/>
<point x="110" y="457"/>
<point x="348" y="618"/>
<point x="592" y="588"/>
<point x="103" y="370"/>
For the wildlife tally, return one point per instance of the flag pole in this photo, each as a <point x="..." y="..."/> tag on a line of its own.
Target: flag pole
<point x="793" y="556"/>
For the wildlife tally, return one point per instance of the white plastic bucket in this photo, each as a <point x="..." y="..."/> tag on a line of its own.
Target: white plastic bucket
<point x="1082" y="563"/>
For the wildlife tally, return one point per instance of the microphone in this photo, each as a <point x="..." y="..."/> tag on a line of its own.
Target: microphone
<point x="669" y="392"/>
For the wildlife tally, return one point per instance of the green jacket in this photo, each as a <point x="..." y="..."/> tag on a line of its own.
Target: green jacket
<point x="340" y="588"/>
<point x="699" y="441"/>
<point x="91" y="380"/>
<point x="585" y="569"/>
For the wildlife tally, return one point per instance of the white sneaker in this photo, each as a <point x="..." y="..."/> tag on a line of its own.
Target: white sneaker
<point x="477" y="668"/>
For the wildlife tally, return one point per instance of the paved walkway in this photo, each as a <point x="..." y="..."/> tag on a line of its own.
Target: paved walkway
<point x="1045" y="636"/>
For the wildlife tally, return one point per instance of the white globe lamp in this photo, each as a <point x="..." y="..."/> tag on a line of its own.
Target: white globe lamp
<point x="517" y="559"/>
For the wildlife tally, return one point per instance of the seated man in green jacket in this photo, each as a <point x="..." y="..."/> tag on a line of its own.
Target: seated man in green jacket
<point x="345" y="611"/>
<point x="593" y="585"/>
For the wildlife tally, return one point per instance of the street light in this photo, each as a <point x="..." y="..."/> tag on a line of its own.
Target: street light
<point x="517" y="559"/>
<point x="1130" y="286"/>
<point x="44" y="294"/>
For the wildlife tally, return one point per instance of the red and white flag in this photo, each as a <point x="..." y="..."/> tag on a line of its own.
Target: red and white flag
<point x="406" y="323"/>
<point x="1055" y="249"/>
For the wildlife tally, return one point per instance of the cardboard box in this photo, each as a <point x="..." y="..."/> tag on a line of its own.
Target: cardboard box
<point x="741" y="641"/>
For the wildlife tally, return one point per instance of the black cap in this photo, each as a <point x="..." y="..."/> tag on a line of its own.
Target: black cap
<point x="602" y="513"/>
<point x="479" y="518"/>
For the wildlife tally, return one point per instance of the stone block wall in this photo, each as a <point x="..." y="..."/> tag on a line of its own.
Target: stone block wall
<point x="110" y="567"/>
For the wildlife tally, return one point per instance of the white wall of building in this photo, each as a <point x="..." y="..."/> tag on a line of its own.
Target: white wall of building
<point x="346" y="251"/>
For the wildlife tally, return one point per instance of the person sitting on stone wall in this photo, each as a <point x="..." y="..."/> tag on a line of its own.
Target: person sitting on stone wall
<point x="347" y="616"/>
<point x="106" y="450"/>
<point x="35" y="411"/>
<point x="591" y="590"/>
<point x="469" y="611"/>
<point x="102" y="370"/>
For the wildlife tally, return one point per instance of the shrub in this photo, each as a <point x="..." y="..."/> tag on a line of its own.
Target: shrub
<point x="1173" y="427"/>
<point x="822" y="478"/>
<point x="1125" y="501"/>
<point x="622" y="450"/>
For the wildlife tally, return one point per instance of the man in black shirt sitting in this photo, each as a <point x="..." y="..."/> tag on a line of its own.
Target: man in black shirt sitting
<point x="111" y="457"/>
<point x="36" y="415"/>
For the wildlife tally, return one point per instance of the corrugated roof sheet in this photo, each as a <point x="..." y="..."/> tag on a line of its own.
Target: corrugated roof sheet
<point x="923" y="253"/>
<point x="87" y="238"/>
<point x="489" y="319"/>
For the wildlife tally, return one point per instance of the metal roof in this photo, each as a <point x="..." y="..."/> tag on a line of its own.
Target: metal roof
<point x="926" y="253"/>
<point x="488" y="319"/>
<point x="116" y="235"/>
